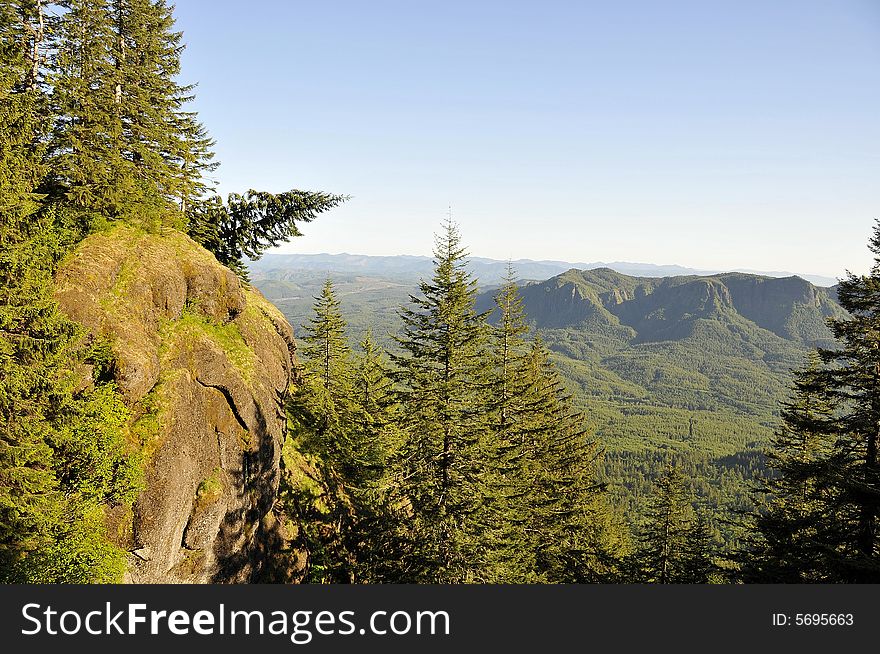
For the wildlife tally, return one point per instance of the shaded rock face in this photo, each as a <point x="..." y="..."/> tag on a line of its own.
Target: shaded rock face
<point x="204" y="364"/>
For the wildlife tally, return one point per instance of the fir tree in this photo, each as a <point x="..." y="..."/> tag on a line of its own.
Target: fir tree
<point x="89" y="169"/>
<point x="328" y="376"/>
<point x="344" y="413"/>
<point x="698" y="564"/>
<point x="442" y="464"/>
<point x="785" y="540"/>
<point x="168" y="149"/>
<point x="32" y="335"/>
<point x="663" y="541"/>
<point x="510" y="406"/>
<point x="818" y="522"/>
<point x="377" y="413"/>
<point x="572" y="531"/>
<point x="248" y="225"/>
<point x="374" y="536"/>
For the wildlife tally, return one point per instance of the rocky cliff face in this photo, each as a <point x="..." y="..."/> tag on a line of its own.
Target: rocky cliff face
<point x="204" y="363"/>
<point x="667" y="308"/>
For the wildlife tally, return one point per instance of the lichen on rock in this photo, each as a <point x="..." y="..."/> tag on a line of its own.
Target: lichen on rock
<point x="204" y="363"/>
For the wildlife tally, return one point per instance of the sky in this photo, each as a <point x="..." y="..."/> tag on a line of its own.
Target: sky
<point x="715" y="135"/>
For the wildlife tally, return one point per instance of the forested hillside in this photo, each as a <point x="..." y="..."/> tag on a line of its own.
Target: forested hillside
<point x="160" y="422"/>
<point x="685" y="369"/>
<point x="690" y="369"/>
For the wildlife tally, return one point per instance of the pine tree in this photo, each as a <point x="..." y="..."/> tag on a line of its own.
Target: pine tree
<point x="88" y="165"/>
<point x="328" y="381"/>
<point x="510" y="408"/>
<point x="819" y="520"/>
<point x="31" y="334"/>
<point x="377" y="413"/>
<point x="345" y="413"/>
<point x="572" y="531"/>
<point x="664" y="536"/>
<point x="443" y="461"/>
<point x="697" y="563"/>
<point x="374" y="534"/>
<point x="248" y="225"/>
<point x="169" y="150"/>
<point x="785" y="541"/>
<point x="62" y="450"/>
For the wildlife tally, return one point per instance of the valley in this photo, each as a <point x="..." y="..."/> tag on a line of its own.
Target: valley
<point x="685" y="368"/>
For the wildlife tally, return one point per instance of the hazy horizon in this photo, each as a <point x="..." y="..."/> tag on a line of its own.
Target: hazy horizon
<point x="736" y="136"/>
<point x="285" y="250"/>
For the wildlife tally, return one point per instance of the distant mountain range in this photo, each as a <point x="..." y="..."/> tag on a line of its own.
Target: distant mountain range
<point x="652" y="309"/>
<point x="722" y="346"/>
<point x="686" y="367"/>
<point x="488" y="271"/>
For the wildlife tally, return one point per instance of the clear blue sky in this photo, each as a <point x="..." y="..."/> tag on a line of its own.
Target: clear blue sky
<point x="709" y="134"/>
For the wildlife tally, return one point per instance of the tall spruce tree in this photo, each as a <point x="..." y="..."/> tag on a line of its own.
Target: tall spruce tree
<point x="328" y="375"/>
<point x="31" y="334"/>
<point x="344" y="413"/>
<point x="89" y="169"/>
<point x="169" y="151"/>
<point x="785" y="540"/>
<point x="663" y="541"/>
<point x="62" y="450"/>
<point x="511" y="407"/>
<point x="321" y="414"/>
<point x="698" y="564"/>
<point x="145" y="58"/>
<point x="819" y="520"/>
<point x="374" y="534"/>
<point x="443" y="461"/>
<point x="572" y="530"/>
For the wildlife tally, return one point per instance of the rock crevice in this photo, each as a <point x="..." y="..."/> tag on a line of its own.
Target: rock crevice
<point x="204" y="364"/>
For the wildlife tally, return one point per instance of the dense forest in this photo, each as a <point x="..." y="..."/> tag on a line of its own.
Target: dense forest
<point x="449" y="449"/>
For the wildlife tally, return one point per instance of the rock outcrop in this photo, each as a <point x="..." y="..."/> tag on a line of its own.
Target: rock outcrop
<point x="204" y="364"/>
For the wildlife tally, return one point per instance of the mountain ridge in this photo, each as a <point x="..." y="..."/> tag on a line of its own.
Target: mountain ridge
<point x="489" y="271"/>
<point x="789" y="307"/>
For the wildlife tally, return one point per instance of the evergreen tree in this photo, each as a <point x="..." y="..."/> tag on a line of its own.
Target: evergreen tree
<point x="574" y="534"/>
<point x="344" y="413"/>
<point x="818" y="522"/>
<point x="32" y="335"/>
<point x="248" y="225"/>
<point x="663" y="541"/>
<point x="376" y="416"/>
<point x="168" y="149"/>
<point x="511" y="407"/>
<point x="697" y="564"/>
<point x="374" y="536"/>
<point x="784" y="542"/>
<point x="88" y="165"/>
<point x="443" y="461"/>
<point x="328" y="381"/>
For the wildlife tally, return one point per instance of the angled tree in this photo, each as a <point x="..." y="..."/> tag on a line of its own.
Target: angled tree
<point x="248" y="225"/>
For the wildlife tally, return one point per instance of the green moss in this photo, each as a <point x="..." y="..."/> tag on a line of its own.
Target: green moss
<point x="147" y="428"/>
<point x="209" y="490"/>
<point x="191" y="563"/>
<point x="194" y="325"/>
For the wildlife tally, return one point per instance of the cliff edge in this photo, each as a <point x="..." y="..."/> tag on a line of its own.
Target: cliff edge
<point x="204" y="364"/>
